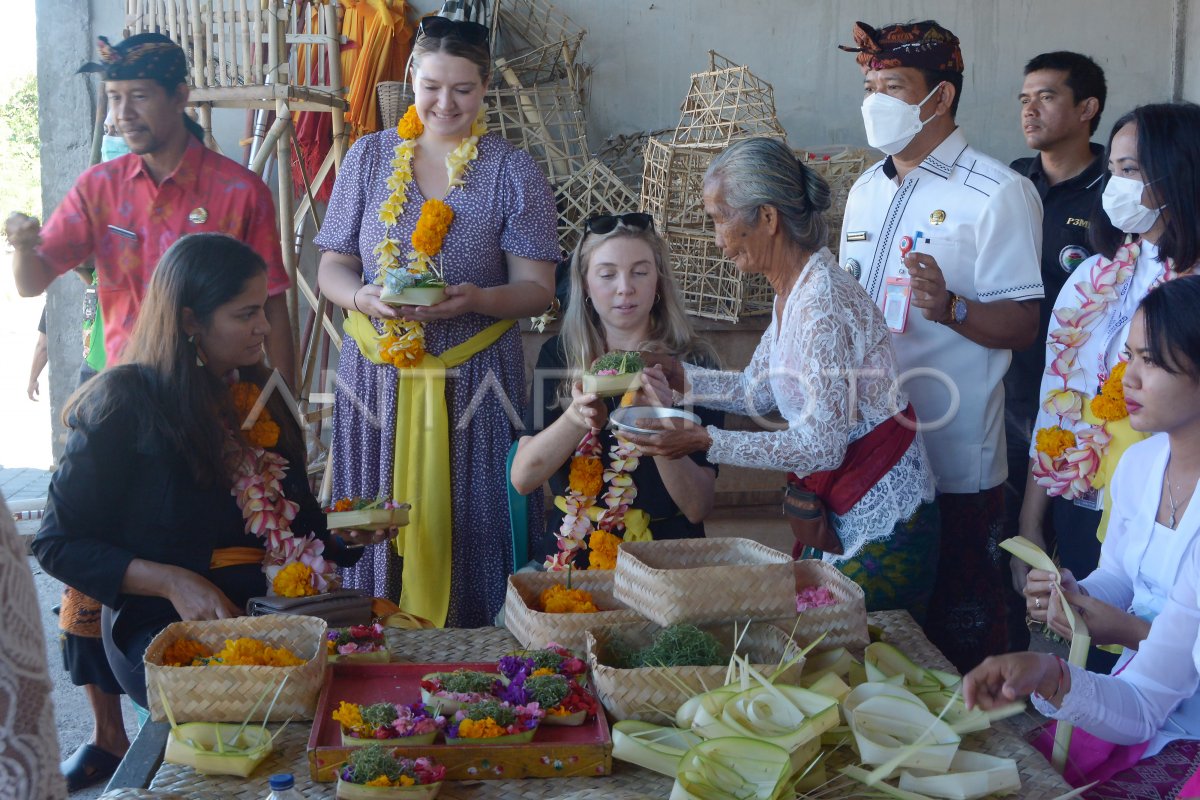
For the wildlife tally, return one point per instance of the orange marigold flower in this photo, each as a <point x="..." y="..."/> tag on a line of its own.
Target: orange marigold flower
<point x="1109" y="405"/>
<point x="247" y="652"/>
<point x="410" y="125"/>
<point x="381" y="780"/>
<point x="405" y="780"/>
<point x="558" y="599"/>
<point x="480" y="729"/>
<point x="349" y="715"/>
<point x="603" y="546"/>
<point x="294" y="580"/>
<point x="1054" y="441"/>
<point x="345" y="504"/>
<point x="264" y="432"/>
<point x="183" y="652"/>
<point x="432" y="227"/>
<point x="586" y="476"/>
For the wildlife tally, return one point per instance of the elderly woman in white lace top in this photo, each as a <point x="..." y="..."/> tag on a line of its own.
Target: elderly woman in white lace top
<point x="857" y="466"/>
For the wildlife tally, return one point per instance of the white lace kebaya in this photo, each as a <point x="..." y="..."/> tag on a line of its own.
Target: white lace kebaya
<point x="827" y="366"/>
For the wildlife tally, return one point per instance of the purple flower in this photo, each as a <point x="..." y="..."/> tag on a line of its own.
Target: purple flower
<point x="511" y="666"/>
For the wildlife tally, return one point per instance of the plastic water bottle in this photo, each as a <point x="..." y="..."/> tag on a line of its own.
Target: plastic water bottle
<point x="283" y="787"/>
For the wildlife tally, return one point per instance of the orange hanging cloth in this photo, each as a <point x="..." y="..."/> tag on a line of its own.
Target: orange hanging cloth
<point x="382" y="53"/>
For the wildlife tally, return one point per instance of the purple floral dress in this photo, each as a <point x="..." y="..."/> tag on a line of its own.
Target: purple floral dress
<point x="505" y="206"/>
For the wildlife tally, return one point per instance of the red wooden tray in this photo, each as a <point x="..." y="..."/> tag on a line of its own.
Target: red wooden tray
<point x="555" y="752"/>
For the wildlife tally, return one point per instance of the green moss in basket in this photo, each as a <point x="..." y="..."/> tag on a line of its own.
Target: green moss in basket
<point x="618" y="362"/>
<point x="502" y="713"/>
<point x="368" y="763"/>
<point x="680" y="645"/>
<point x="379" y="715"/>
<point x="546" y="659"/>
<point x="467" y="682"/>
<point x="547" y="690"/>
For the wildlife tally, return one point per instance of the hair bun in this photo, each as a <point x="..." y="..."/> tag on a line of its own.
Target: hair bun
<point x="816" y="190"/>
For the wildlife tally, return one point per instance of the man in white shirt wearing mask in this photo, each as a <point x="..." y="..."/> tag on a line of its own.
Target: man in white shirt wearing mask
<point x="947" y="242"/>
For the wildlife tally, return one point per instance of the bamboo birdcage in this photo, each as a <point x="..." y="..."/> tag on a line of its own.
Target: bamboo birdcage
<point x="593" y="189"/>
<point x="545" y="121"/>
<point x="624" y="154"/>
<point x="726" y="103"/>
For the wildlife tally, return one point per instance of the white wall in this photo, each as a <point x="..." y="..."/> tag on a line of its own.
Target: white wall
<point x="1191" y="57"/>
<point x="643" y="53"/>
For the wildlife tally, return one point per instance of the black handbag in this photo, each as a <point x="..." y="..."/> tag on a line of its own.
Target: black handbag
<point x="340" y="609"/>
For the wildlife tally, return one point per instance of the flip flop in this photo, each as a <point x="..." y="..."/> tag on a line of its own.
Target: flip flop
<point x="88" y="766"/>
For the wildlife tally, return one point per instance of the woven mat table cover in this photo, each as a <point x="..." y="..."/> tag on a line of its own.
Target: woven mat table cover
<point x="627" y="782"/>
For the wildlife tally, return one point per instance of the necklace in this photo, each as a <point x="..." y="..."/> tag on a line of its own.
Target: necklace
<point x="403" y="344"/>
<point x="1171" y="497"/>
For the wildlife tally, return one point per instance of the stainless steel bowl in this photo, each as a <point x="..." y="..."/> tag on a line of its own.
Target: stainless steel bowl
<point x="622" y="420"/>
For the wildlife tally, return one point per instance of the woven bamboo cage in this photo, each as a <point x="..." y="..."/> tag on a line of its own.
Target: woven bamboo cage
<point x="727" y="103"/>
<point x="623" y="153"/>
<point x="549" y="63"/>
<point x="545" y="121"/>
<point x="840" y="167"/>
<point x="595" y="189"/>
<point x="526" y="25"/>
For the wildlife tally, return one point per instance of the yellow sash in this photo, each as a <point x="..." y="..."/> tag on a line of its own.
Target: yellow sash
<point x="421" y="464"/>
<point x="235" y="557"/>
<point x="1123" y="436"/>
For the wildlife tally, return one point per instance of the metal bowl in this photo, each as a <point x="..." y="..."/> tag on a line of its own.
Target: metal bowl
<point x="622" y="420"/>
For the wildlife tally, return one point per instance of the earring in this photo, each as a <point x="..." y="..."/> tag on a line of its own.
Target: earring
<point x="657" y="297"/>
<point x="195" y="347"/>
<point x="587" y="300"/>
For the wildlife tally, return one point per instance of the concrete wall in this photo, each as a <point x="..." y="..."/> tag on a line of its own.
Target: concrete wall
<point x="644" y="51"/>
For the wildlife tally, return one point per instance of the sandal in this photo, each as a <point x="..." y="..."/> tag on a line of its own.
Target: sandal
<point x="88" y="766"/>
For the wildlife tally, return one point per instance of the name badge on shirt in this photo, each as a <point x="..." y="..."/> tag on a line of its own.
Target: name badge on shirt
<point x="1091" y="501"/>
<point x="856" y="236"/>
<point x="897" y="296"/>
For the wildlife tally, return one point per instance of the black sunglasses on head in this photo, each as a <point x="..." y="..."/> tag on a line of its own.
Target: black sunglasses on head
<point x="601" y="224"/>
<point x="440" y="28"/>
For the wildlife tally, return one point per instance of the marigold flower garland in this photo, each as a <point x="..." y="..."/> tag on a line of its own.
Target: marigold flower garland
<point x="295" y="566"/>
<point x="1069" y="453"/>
<point x="580" y="510"/>
<point x="403" y="344"/>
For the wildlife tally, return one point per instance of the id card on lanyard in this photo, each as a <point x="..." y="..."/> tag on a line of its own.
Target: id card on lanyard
<point x="897" y="292"/>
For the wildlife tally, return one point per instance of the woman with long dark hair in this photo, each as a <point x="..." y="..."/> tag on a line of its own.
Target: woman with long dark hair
<point x="151" y="508"/>
<point x="1144" y="594"/>
<point x="1145" y="231"/>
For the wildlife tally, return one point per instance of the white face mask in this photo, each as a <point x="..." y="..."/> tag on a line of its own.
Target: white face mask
<point x="112" y="147"/>
<point x="1122" y="201"/>
<point x="892" y="123"/>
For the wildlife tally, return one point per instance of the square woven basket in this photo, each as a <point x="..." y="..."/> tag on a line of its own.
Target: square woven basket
<point x="654" y="694"/>
<point x="227" y="694"/>
<point x="844" y="623"/>
<point x="705" y="580"/>
<point x="534" y="628"/>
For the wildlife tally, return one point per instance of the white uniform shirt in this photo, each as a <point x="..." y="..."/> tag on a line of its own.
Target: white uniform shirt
<point x="983" y="223"/>
<point x="1140" y="564"/>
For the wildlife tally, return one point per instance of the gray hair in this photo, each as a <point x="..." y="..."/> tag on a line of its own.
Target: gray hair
<point x="758" y="172"/>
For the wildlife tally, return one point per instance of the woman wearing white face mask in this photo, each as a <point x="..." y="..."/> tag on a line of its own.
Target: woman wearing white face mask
<point x="1146" y="231"/>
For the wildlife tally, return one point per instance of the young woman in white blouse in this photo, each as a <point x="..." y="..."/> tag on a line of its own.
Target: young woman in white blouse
<point x="1144" y="593"/>
<point x="827" y="366"/>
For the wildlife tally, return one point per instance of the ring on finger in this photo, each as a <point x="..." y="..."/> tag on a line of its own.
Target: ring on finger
<point x="1037" y="602"/>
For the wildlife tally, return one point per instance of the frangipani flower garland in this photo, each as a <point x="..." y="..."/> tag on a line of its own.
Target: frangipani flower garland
<point x="295" y="566"/>
<point x="1069" y="453"/>
<point x="587" y="478"/>
<point x="404" y="342"/>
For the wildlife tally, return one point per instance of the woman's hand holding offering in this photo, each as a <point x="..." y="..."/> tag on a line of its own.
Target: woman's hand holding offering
<point x="587" y="409"/>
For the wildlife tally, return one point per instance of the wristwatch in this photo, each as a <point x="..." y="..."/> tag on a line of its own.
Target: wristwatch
<point x="958" y="310"/>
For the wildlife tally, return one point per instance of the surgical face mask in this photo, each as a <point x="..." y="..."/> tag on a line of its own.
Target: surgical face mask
<point x="892" y="123"/>
<point x="1122" y="202"/>
<point x="113" y="147"/>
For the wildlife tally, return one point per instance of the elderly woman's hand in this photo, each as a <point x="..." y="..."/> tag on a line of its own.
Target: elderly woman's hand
<point x="654" y="390"/>
<point x="674" y="438"/>
<point x="672" y="368"/>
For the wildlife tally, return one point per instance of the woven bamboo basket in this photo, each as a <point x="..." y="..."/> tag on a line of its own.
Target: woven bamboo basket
<point x="394" y="99"/>
<point x="844" y="624"/>
<point x="227" y="694"/>
<point x="595" y="189"/>
<point x="534" y="628"/>
<point x="654" y="694"/>
<point x="726" y="103"/>
<point x="705" y="580"/>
